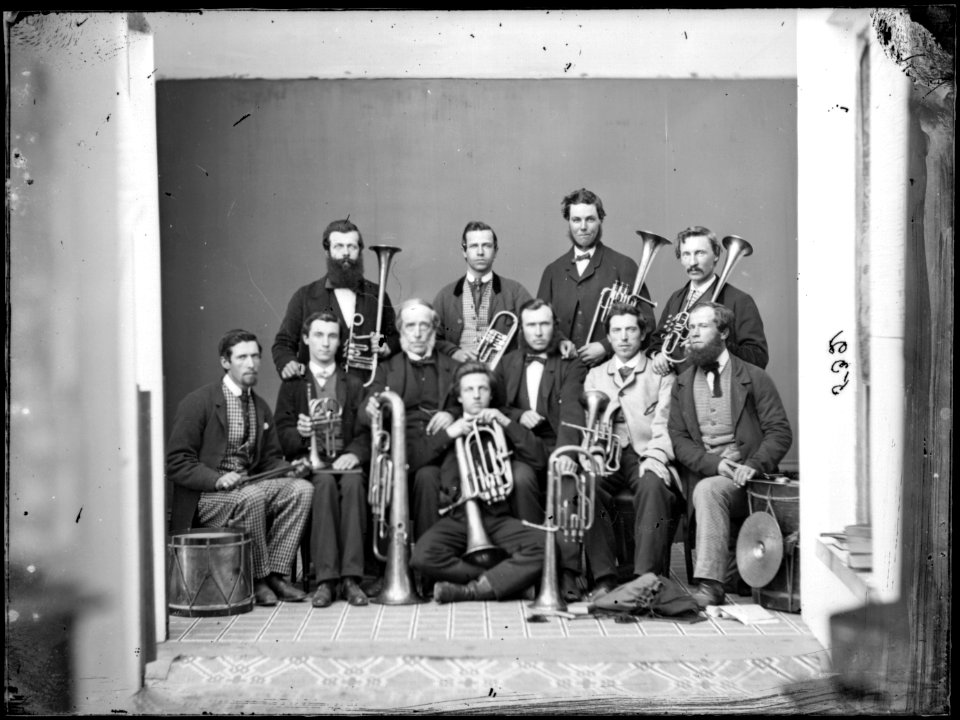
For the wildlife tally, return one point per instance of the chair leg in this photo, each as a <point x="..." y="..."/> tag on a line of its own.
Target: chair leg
<point x="689" y="538"/>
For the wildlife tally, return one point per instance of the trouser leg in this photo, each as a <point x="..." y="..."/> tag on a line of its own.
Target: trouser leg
<point x="715" y="500"/>
<point x="425" y="499"/>
<point x="524" y="563"/>
<point x="438" y="553"/>
<point x="325" y="527"/>
<point x="353" y="511"/>
<point x="288" y="507"/>
<point x="654" y="505"/>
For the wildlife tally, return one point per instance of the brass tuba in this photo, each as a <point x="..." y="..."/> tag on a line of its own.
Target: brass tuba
<point x="388" y="489"/>
<point x="325" y="419"/>
<point x="598" y="436"/>
<point x="618" y="291"/>
<point x="560" y="518"/>
<point x="677" y="326"/>
<point x="494" y="343"/>
<point x="485" y="474"/>
<point x="361" y="350"/>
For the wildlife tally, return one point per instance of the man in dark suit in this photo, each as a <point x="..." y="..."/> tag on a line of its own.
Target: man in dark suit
<point x="467" y="306"/>
<point x="344" y="292"/>
<point x="438" y="553"/>
<point x="698" y="250"/>
<point x="424" y="380"/>
<point x="572" y="283"/>
<point x="222" y="434"/>
<point x="726" y="424"/>
<point x="539" y="389"/>
<point x="336" y="457"/>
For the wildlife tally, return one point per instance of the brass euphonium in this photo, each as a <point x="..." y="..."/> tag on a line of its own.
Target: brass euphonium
<point x="618" y="292"/>
<point x="572" y="516"/>
<point x="494" y="343"/>
<point x="677" y="327"/>
<point x="485" y="474"/>
<point x="325" y="418"/>
<point x="361" y="350"/>
<point x="388" y="490"/>
<point x="598" y="436"/>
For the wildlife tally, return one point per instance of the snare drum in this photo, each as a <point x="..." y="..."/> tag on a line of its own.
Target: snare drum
<point x="210" y="572"/>
<point x="780" y="497"/>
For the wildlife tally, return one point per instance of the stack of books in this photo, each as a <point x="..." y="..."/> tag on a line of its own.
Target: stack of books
<point x="856" y="545"/>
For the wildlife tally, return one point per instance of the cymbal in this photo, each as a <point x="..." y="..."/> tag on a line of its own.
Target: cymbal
<point x="759" y="549"/>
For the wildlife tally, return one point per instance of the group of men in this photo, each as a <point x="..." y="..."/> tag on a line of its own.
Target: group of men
<point x="692" y="432"/>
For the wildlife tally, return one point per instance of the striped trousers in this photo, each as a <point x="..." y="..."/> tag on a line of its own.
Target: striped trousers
<point x="715" y="500"/>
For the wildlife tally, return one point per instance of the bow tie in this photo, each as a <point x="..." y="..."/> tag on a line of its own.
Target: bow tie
<point x="584" y="256"/>
<point x="424" y="361"/>
<point x="625" y="372"/>
<point x="714" y="367"/>
<point x="531" y="357"/>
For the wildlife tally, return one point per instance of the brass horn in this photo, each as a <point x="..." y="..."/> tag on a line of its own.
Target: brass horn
<point x="494" y="343"/>
<point x="388" y="489"/>
<point x="485" y="474"/>
<point x="325" y="418"/>
<point x="677" y="326"/>
<point x="598" y="436"/>
<point x="560" y="518"/>
<point x="618" y="291"/>
<point x="361" y="350"/>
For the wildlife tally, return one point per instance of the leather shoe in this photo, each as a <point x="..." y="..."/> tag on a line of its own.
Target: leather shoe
<point x="262" y="594"/>
<point x="708" y="592"/>
<point x="569" y="590"/>
<point x="283" y="589"/>
<point x="352" y="593"/>
<point x="602" y="586"/>
<point x="480" y="589"/>
<point x="323" y="595"/>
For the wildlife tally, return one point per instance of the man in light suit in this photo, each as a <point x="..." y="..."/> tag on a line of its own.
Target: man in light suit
<point x="726" y="424"/>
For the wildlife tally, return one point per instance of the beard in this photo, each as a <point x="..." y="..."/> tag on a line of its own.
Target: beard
<point x="596" y="238"/>
<point x="708" y="353"/>
<point x="345" y="273"/>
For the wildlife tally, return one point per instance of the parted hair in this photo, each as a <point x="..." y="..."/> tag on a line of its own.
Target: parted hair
<point x="722" y="313"/>
<point x="473" y="226"/>
<point x="341" y="226"/>
<point x="472" y="367"/>
<point x="582" y="197"/>
<point x="322" y="315"/>
<point x="698" y="231"/>
<point x="235" y="337"/>
<point x="625" y="309"/>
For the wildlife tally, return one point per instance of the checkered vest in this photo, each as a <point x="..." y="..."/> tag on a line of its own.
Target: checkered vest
<point x="475" y="320"/>
<point x="238" y="455"/>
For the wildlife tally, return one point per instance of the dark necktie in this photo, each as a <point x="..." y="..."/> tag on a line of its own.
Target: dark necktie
<point x="424" y="361"/>
<point x="625" y="372"/>
<point x="245" y="397"/>
<point x="530" y="357"/>
<point x="578" y="258"/>
<point x="714" y="367"/>
<point x="476" y="287"/>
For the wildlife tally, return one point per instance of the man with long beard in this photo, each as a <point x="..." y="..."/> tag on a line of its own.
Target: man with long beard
<point x="344" y="292"/>
<point x="573" y="283"/>
<point x="727" y="424"/>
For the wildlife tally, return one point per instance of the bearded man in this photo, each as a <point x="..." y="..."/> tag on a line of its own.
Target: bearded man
<point x="727" y="424"/>
<point x="344" y="292"/>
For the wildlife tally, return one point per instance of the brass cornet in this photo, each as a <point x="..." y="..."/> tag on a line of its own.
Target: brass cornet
<point x="361" y="350"/>
<point x="325" y="420"/>
<point x="494" y="343"/>
<point x="485" y="474"/>
<point x="677" y="327"/>
<point x="571" y="515"/>
<point x="619" y="292"/>
<point x="388" y="491"/>
<point x="598" y="436"/>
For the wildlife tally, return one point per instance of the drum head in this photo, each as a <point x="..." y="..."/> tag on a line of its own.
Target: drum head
<point x="759" y="549"/>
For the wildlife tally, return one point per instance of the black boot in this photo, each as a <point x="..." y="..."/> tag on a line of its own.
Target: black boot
<point x="479" y="589"/>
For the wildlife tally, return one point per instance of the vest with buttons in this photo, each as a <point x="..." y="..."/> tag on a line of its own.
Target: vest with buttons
<point x="713" y="413"/>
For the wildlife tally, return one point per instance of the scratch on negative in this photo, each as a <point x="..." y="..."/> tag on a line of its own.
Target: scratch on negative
<point x="232" y="206"/>
<point x="252" y="282"/>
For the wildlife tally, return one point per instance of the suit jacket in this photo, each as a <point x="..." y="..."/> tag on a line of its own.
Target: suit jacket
<point x="558" y="397"/>
<point x="292" y="400"/>
<point x="761" y="428"/>
<point x="746" y="339"/>
<point x="395" y="375"/>
<point x="317" y="296"/>
<point x="575" y="299"/>
<point x="198" y="443"/>
<point x="645" y="400"/>
<point x="506" y="295"/>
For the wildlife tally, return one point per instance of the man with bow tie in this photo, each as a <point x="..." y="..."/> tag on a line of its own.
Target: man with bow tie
<point x="423" y="378"/>
<point x="698" y="251"/>
<point x="466" y="307"/>
<point x="223" y="433"/>
<point x="343" y="291"/>
<point x="726" y="424"/>
<point x="637" y="413"/>
<point x="539" y="389"/>
<point x="573" y="283"/>
<point x="339" y="495"/>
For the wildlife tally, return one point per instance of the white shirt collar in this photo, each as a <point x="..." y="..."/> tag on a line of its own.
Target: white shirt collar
<point x="703" y="288"/>
<point x="589" y="251"/>
<point x="324" y="371"/>
<point x="722" y="360"/>
<point x="471" y="277"/>
<point x="231" y="385"/>
<point x="633" y="362"/>
<point x="418" y="358"/>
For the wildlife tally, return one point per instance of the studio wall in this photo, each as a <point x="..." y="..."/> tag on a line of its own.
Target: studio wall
<point x="252" y="170"/>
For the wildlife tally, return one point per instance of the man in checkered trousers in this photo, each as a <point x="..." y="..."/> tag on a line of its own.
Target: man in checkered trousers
<point x="222" y="434"/>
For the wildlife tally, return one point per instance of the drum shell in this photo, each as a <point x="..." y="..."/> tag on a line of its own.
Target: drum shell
<point x="210" y="573"/>
<point x="782" y="500"/>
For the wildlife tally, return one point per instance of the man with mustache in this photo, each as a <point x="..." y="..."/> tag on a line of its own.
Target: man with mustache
<point x="467" y="305"/>
<point x="572" y="283"/>
<point x="222" y="434"/>
<point x="698" y="250"/>
<point x="343" y="291"/>
<point x="727" y="424"/>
